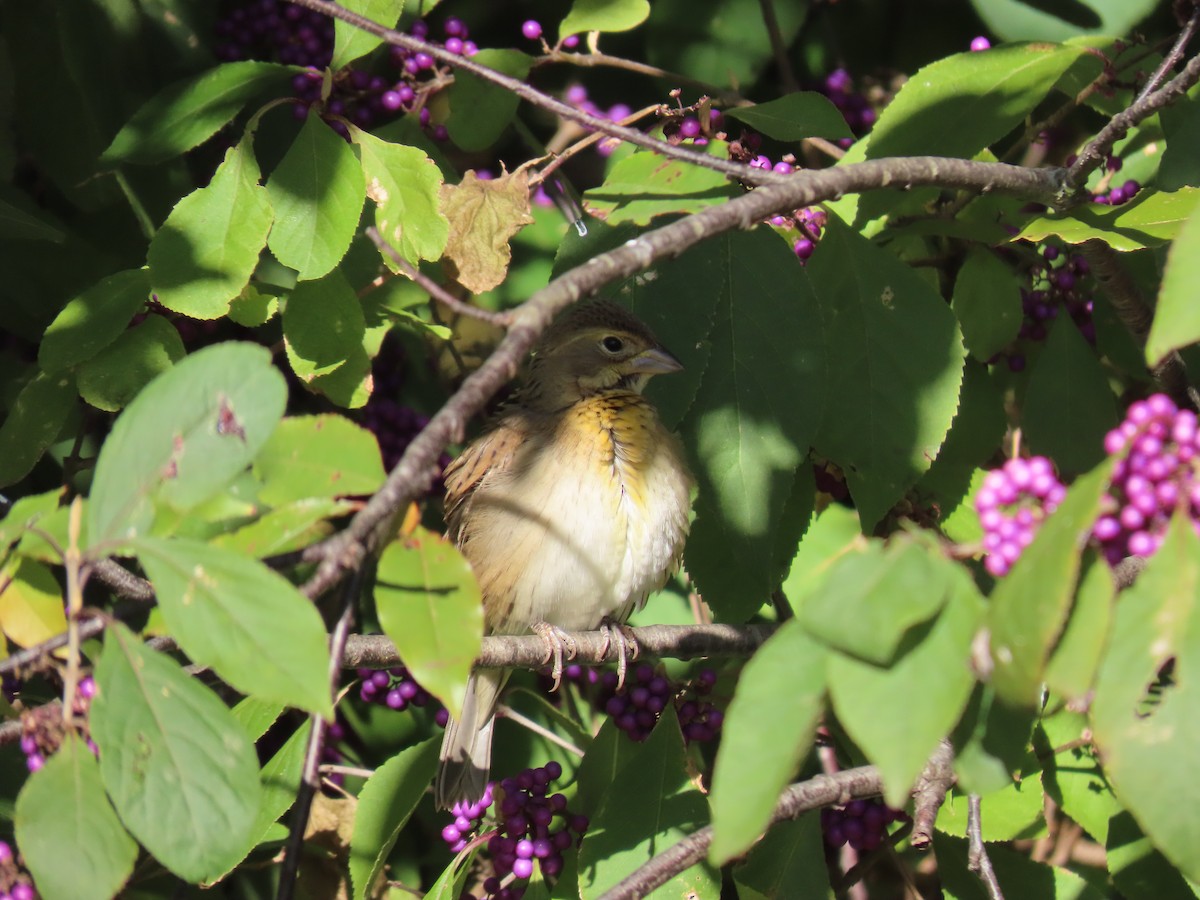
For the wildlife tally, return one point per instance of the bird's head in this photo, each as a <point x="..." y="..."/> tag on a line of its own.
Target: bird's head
<point x="594" y="347"/>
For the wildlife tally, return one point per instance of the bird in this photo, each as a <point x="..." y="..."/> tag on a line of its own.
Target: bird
<point x="571" y="508"/>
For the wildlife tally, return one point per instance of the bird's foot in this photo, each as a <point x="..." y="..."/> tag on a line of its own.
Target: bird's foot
<point x="557" y="643"/>
<point x="627" y="645"/>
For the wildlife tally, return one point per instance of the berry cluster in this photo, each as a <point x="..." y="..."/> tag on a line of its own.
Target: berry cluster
<point x="396" y="689"/>
<point x="635" y="708"/>
<point x="1012" y="503"/>
<point x="1058" y="283"/>
<point x="863" y="824"/>
<point x="1158" y="444"/>
<point x="855" y="108"/>
<point x="15" y="882"/>
<point x="43" y="729"/>
<point x="525" y="829"/>
<point x="275" y="30"/>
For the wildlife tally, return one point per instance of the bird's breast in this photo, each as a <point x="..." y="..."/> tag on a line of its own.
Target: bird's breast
<point x="591" y="517"/>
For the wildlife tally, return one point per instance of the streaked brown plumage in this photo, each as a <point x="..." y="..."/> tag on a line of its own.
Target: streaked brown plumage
<point x="571" y="508"/>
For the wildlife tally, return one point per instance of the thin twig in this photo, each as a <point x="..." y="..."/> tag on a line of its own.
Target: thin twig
<point x="597" y="60"/>
<point x="778" y="48"/>
<point x="310" y="780"/>
<point x="977" y="858"/>
<point x="431" y="287"/>
<point x="73" y="564"/>
<point x="1174" y="55"/>
<point x="537" y="98"/>
<point x="525" y="722"/>
<point x="1097" y="150"/>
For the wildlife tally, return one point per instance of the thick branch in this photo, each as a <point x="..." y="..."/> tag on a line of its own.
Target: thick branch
<point x="375" y="651"/>
<point x="416" y="469"/>
<point x="823" y="790"/>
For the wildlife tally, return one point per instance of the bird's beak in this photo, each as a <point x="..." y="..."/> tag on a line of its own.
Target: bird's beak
<point x="655" y="361"/>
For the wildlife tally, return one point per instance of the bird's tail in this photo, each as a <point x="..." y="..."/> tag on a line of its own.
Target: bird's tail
<point x="466" y="756"/>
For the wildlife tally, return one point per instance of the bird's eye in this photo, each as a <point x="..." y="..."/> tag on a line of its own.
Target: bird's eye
<point x="613" y="344"/>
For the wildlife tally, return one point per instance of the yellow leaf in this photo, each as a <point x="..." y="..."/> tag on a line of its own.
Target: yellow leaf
<point x="483" y="216"/>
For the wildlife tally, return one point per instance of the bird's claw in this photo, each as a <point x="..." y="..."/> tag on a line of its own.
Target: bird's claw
<point x="627" y="646"/>
<point x="557" y="642"/>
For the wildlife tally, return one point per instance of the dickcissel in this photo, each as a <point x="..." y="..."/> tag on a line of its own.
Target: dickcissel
<point x="571" y="509"/>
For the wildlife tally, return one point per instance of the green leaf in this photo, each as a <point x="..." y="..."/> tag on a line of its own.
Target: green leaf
<point x="1073" y="665"/>
<point x="651" y="806"/>
<point x="987" y="302"/>
<point x="1151" y="219"/>
<point x="31" y="604"/>
<point x="318" y="456"/>
<point x="115" y="375"/>
<point x="63" y="814"/>
<point x="1030" y="604"/>
<point x="385" y="803"/>
<point x="33" y="423"/>
<point x="991" y="742"/>
<point x="750" y="427"/>
<point x="480" y="110"/>
<point x="834" y="533"/>
<point x="317" y="193"/>
<point x="257" y="715"/>
<point x="1069" y="405"/>
<point x="788" y="861"/>
<point x="784" y="684"/>
<point x="350" y="42"/>
<point x="184" y="437"/>
<point x="963" y="103"/>
<point x="204" y="254"/>
<point x="1146" y="712"/>
<point x="186" y="114"/>
<point x="603" y="15"/>
<point x="1073" y="777"/>
<point x="245" y="621"/>
<point x="644" y="185"/>
<point x="93" y="320"/>
<point x="323" y="330"/>
<point x="1176" y="320"/>
<point x="896" y="589"/>
<point x="1180" y="164"/>
<point x="403" y="182"/>
<point x="896" y="356"/>
<point x="870" y="700"/>
<point x="429" y="604"/>
<point x="1023" y="20"/>
<point x="285" y="528"/>
<point x="22" y="220"/>
<point x="1139" y="871"/>
<point x="794" y="117"/>
<point x="180" y="771"/>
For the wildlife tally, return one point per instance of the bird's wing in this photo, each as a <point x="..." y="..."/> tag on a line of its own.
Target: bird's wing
<point x="489" y="455"/>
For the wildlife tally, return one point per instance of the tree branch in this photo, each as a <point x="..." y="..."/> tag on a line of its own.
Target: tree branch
<point x="1098" y="149"/>
<point x="819" y="791"/>
<point x="417" y="467"/>
<point x="977" y="858"/>
<point x="930" y="793"/>
<point x="310" y="779"/>
<point x="376" y="651"/>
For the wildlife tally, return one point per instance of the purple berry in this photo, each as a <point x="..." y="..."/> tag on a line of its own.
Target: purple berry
<point x="689" y="127"/>
<point x="531" y="29"/>
<point x="980" y="43"/>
